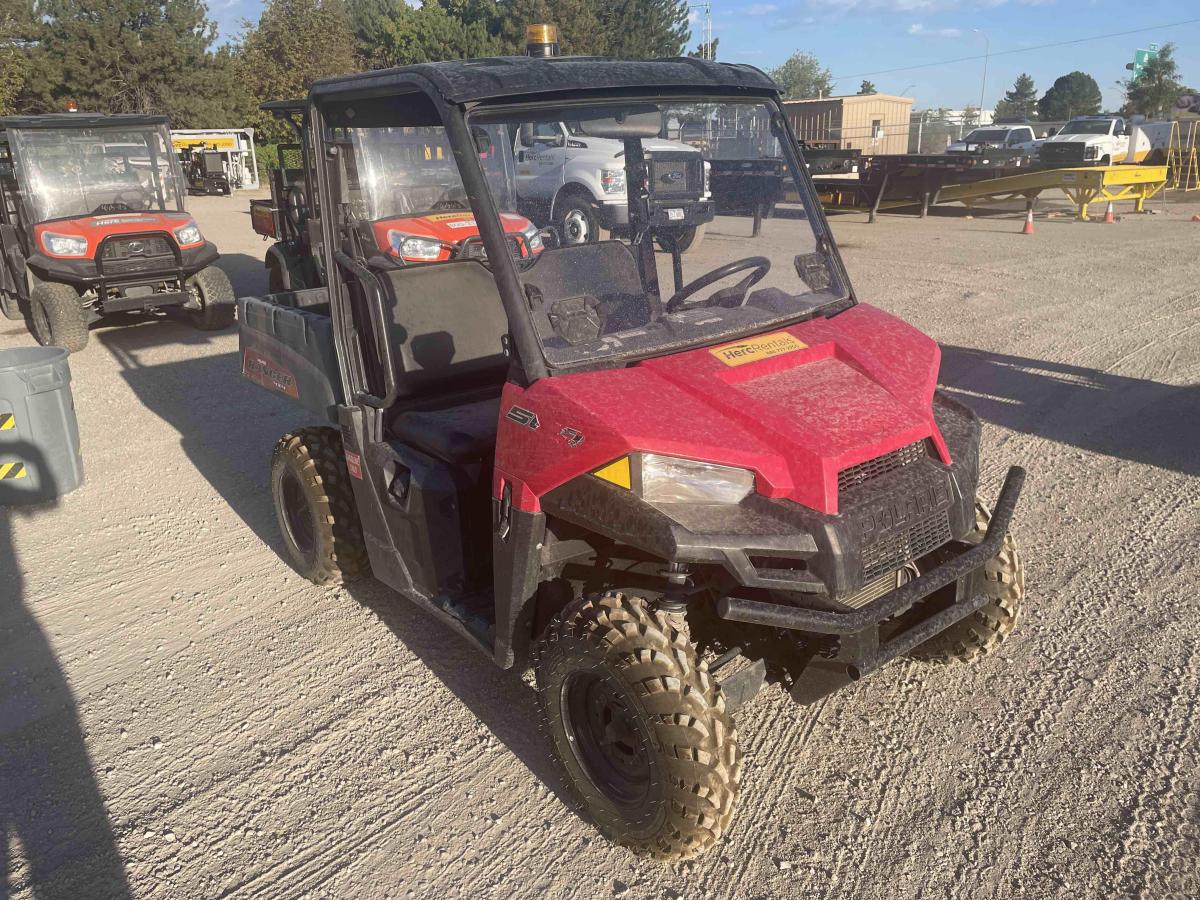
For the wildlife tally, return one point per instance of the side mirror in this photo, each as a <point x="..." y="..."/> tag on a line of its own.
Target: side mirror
<point x="526" y="134"/>
<point x="483" y="141"/>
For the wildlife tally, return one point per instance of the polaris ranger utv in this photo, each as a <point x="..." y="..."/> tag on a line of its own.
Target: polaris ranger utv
<point x="92" y="223"/>
<point x="660" y="482"/>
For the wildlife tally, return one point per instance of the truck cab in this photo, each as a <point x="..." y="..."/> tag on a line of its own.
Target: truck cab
<point x="996" y="137"/>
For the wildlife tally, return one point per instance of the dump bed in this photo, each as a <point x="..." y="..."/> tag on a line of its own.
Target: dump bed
<point x="287" y="347"/>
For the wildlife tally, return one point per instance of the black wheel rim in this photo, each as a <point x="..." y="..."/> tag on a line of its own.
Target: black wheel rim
<point x="297" y="516"/>
<point x="198" y="292"/>
<point x="608" y="740"/>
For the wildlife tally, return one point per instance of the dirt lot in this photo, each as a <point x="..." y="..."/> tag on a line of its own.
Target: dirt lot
<point x="182" y="716"/>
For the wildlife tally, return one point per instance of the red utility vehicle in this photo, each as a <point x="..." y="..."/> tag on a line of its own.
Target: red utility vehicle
<point x="92" y="223"/>
<point x="660" y="481"/>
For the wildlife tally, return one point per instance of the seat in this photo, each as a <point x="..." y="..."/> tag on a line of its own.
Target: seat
<point x="458" y="434"/>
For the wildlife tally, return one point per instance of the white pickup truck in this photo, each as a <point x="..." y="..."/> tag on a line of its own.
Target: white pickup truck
<point x="1105" y="141"/>
<point x="577" y="183"/>
<point x="997" y="137"/>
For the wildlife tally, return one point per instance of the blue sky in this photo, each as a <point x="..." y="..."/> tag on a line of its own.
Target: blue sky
<point x="853" y="37"/>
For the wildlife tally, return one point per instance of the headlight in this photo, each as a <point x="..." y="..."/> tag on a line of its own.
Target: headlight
<point x="533" y="238"/>
<point x="612" y="181"/>
<point x="64" y="245"/>
<point x="188" y="234"/>
<point x="707" y="175"/>
<point x="1090" y="151"/>
<point x="414" y="247"/>
<point x="669" y="479"/>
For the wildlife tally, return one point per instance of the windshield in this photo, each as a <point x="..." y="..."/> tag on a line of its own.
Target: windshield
<point x="1087" y="126"/>
<point x="606" y="288"/>
<point x="986" y="136"/>
<point x="70" y="172"/>
<point x="404" y="172"/>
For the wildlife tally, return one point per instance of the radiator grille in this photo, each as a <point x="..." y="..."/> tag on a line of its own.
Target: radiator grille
<point x="894" y="551"/>
<point x="853" y="476"/>
<point x="136" y="247"/>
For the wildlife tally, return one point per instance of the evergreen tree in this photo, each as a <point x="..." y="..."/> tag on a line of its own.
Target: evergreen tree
<point x="705" y="50"/>
<point x="802" y="77"/>
<point x="1020" y="102"/>
<point x="295" y="43"/>
<point x="1154" y="90"/>
<point x="641" y="29"/>
<point x="16" y="28"/>
<point x="129" y="56"/>
<point x="1073" y="94"/>
<point x="867" y="87"/>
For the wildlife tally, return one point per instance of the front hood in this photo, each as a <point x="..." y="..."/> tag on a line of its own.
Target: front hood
<point x="94" y="229"/>
<point x="1085" y="139"/>
<point x="450" y="227"/>
<point x="796" y="406"/>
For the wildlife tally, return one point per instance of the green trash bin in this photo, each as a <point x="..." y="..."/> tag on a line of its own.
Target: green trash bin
<point x="39" y="436"/>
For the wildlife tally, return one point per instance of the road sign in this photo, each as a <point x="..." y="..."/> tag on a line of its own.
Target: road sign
<point x="1140" y="58"/>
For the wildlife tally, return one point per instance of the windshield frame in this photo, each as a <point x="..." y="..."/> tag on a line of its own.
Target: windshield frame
<point x="509" y="280"/>
<point x="169" y="185"/>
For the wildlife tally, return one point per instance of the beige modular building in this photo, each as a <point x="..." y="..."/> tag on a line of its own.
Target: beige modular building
<point x="872" y="123"/>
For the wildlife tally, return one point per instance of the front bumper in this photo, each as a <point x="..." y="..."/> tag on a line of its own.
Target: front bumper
<point x="84" y="273"/>
<point x="861" y="649"/>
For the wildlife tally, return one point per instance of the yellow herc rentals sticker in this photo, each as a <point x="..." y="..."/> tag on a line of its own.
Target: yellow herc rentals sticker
<point x="762" y="347"/>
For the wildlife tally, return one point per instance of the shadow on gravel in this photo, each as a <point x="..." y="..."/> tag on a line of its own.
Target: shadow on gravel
<point x="51" y="810"/>
<point x="499" y="699"/>
<point x="227" y="426"/>
<point x="1127" y="418"/>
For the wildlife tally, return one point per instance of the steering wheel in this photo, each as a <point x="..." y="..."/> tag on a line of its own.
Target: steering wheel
<point x="296" y="206"/>
<point x="122" y="195"/>
<point x="760" y="264"/>
<point x="448" y="200"/>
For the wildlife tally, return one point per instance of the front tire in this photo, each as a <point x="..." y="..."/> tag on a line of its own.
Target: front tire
<point x="639" y="726"/>
<point x="57" y="317"/>
<point x="578" y="222"/>
<point x="215" y="295"/>
<point x="315" y="508"/>
<point x="988" y="627"/>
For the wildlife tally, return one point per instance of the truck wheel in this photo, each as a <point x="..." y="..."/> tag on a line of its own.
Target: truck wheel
<point x="691" y="238"/>
<point x="314" y="504"/>
<point x="986" y="629"/>
<point x="578" y="223"/>
<point x="1106" y="160"/>
<point x="215" y="295"/>
<point x="56" y="317"/>
<point x="639" y="726"/>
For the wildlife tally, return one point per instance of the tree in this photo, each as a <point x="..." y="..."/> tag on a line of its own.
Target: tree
<point x="16" y="25"/>
<point x="1074" y="94"/>
<point x="970" y="116"/>
<point x="576" y="20"/>
<point x="1020" y="102"/>
<point x="802" y="77"/>
<point x="641" y="29"/>
<point x="1154" y="90"/>
<point x="295" y="43"/>
<point x="129" y="56"/>
<point x="867" y="87"/>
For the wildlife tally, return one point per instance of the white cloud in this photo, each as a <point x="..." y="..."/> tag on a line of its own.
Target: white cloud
<point x="920" y="30"/>
<point x="761" y="9"/>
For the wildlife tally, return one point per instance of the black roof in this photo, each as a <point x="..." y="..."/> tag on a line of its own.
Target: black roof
<point x="80" y="120"/>
<point x="462" y="81"/>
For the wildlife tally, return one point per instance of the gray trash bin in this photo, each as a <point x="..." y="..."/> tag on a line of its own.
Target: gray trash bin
<point x="39" y="436"/>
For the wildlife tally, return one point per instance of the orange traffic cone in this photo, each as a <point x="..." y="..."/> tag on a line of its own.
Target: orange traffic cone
<point x="1028" y="229"/>
<point x="1109" y="218"/>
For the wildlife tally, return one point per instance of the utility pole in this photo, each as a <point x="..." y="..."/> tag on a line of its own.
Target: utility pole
<point x="987" y="51"/>
<point x="706" y="47"/>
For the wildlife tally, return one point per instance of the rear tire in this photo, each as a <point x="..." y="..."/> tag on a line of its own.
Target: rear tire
<point x="988" y="627"/>
<point x="690" y="238"/>
<point x="639" y="726"/>
<point x="315" y="508"/>
<point x="217" y="301"/>
<point x="57" y="317"/>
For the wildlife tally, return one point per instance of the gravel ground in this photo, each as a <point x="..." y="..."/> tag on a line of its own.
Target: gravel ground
<point x="182" y="716"/>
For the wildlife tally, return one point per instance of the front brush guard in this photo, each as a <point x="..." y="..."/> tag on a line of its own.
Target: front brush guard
<point x="860" y="651"/>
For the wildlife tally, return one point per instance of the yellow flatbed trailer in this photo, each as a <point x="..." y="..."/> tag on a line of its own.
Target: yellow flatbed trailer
<point x="1084" y="186"/>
